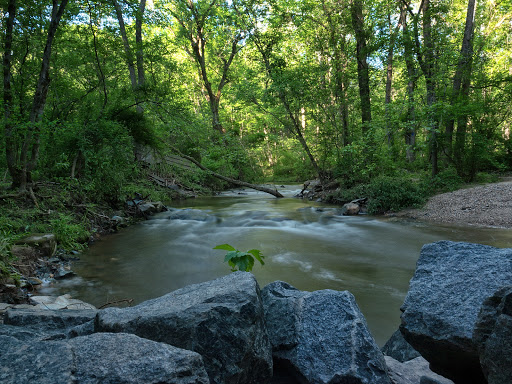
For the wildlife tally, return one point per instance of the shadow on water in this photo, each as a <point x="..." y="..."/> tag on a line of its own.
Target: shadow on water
<point x="306" y="244"/>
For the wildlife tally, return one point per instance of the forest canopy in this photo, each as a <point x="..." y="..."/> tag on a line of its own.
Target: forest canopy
<point x="255" y="90"/>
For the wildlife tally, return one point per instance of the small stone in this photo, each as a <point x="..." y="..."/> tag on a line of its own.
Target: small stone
<point x="350" y="209"/>
<point x="34" y="281"/>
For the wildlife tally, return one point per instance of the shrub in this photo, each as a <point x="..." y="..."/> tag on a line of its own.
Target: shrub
<point x="392" y="194"/>
<point x="384" y="194"/>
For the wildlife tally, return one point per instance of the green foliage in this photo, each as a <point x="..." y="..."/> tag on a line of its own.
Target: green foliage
<point x="69" y="234"/>
<point x="384" y="194"/>
<point x="230" y="159"/>
<point x="238" y="260"/>
<point x="445" y="181"/>
<point x="6" y="258"/>
<point x="100" y="151"/>
<point x="392" y="194"/>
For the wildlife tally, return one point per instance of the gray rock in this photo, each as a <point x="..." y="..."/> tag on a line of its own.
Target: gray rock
<point x="106" y="358"/>
<point x="415" y="371"/>
<point x="47" y="320"/>
<point x="222" y="320"/>
<point x="445" y="295"/>
<point x="147" y="208"/>
<point x="399" y="349"/>
<point x="41" y="362"/>
<point x="81" y="330"/>
<point x="321" y="336"/>
<point x="188" y="214"/>
<point x="98" y="359"/>
<point x="44" y="242"/>
<point x="493" y="335"/>
<point x="350" y="209"/>
<point x="21" y="333"/>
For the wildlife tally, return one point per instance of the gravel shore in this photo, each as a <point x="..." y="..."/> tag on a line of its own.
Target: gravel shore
<point x="486" y="206"/>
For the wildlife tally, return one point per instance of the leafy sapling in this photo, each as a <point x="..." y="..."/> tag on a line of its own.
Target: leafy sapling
<point x="244" y="261"/>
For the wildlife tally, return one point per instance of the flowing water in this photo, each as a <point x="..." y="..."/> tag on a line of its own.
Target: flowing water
<point x="306" y="244"/>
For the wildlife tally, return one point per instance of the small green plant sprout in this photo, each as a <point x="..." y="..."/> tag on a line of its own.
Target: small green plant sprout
<point x="244" y="261"/>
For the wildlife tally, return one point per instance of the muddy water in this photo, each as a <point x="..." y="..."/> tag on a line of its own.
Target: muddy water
<point x="308" y="245"/>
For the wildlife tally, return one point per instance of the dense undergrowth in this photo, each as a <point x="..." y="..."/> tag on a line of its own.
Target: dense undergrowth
<point x="394" y="193"/>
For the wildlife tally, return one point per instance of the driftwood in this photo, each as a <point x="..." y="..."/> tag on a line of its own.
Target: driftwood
<point x="273" y="192"/>
<point x="116" y="302"/>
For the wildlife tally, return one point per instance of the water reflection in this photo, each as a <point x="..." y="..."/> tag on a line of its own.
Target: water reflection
<point x="308" y="245"/>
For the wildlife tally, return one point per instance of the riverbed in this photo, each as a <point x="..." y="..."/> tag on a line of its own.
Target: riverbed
<point x="307" y="244"/>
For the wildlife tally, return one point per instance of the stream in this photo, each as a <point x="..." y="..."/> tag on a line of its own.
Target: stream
<point x="307" y="244"/>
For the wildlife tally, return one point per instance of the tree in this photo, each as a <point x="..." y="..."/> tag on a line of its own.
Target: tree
<point x="215" y="32"/>
<point x="137" y="79"/>
<point x="460" y="92"/>
<point x="281" y="86"/>
<point x="363" y="76"/>
<point x="412" y="77"/>
<point x="22" y="158"/>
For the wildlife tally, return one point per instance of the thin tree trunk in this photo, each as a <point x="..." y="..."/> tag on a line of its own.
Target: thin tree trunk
<point x="139" y="53"/>
<point x="126" y="44"/>
<point x="101" y="75"/>
<point x="410" y="120"/>
<point x="362" y="64"/>
<point x="389" y="79"/>
<point x="32" y="138"/>
<point x="428" y="71"/>
<point x="10" y="145"/>
<point x="461" y="83"/>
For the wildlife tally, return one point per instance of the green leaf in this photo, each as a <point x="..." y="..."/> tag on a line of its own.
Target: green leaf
<point x="245" y="263"/>
<point x="231" y="255"/>
<point x="257" y="254"/>
<point x="225" y="247"/>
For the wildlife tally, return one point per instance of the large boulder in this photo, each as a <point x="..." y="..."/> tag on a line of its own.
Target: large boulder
<point x="35" y="361"/>
<point x="493" y="335"/>
<point x="221" y="319"/>
<point x="106" y="358"/>
<point x="98" y="359"/>
<point x="451" y="282"/>
<point x="321" y="336"/>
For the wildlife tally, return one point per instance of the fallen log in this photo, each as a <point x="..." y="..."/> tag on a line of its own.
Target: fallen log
<point x="273" y="192"/>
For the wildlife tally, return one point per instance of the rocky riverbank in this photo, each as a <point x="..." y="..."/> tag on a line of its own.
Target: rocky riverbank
<point x="487" y="205"/>
<point x="457" y="315"/>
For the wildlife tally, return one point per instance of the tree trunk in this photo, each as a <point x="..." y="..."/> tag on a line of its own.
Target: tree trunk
<point x="21" y="173"/>
<point x="389" y="79"/>
<point x="362" y="64"/>
<point x="198" y="42"/>
<point x="461" y="83"/>
<point x="10" y="145"/>
<point x="126" y="44"/>
<point x="273" y="192"/>
<point x="428" y="71"/>
<point x="410" y="119"/>
<point x="141" y="77"/>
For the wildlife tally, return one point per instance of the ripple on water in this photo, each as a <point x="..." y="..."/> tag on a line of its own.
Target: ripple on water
<point x="289" y="258"/>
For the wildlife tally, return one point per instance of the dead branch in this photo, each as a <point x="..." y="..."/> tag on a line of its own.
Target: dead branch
<point x="273" y="192"/>
<point x="116" y="302"/>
